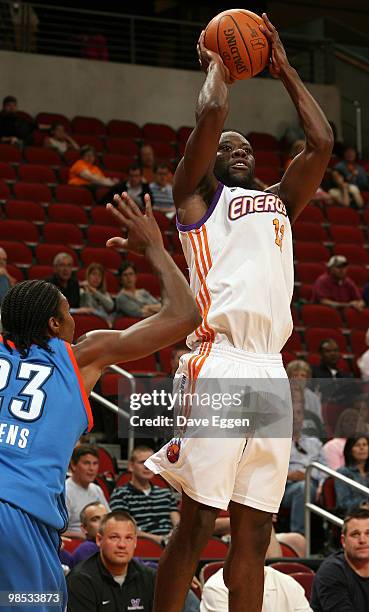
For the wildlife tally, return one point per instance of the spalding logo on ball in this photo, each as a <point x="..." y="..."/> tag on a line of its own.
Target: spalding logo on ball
<point x="235" y="35"/>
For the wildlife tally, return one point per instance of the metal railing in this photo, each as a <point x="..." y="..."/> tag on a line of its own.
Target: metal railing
<point x="117" y="37"/>
<point x="310" y="507"/>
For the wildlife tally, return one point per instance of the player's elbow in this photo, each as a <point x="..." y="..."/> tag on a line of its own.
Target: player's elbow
<point x="214" y="110"/>
<point x="324" y="141"/>
<point x="189" y="320"/>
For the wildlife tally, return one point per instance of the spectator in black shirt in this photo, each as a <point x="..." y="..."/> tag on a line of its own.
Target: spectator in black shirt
<point x="14" y="129"/>
<point x="342" y="581"/>
<point x="68" y="285"/>
<point x="332" y="390"/>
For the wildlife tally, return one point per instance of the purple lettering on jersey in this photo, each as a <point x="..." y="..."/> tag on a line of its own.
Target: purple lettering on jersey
<point x="246" y="205"/>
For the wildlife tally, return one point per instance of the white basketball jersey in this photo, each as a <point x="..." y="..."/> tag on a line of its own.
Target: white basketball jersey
<point x="241" y="271"/>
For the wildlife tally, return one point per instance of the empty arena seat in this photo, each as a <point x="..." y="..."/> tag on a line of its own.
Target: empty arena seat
<point x="311" y="214"/>
<point x="148" y="549"/>
<point x="338" y="215"/>
<point x="214" y="549"/>
<point x="101" y="216"/>
<point x="165" y="358"/>
<point x="287" y="356"/>
<point x="7" y="172"/>
<point x="347" y="234"/>
<point x="309" y="272"/>
<point x="181" y="262"/>
<point x="66" y="232"/>
<point x="42" y="155"/>
<point x="124" y="322"/>
<point x="74" y="195"/>
<point x="36" y="173"/>
<point x="117" y="162"/>
<point x="183" y="133"/>
<point x="15" y="272"/>
<point x="304" y="231"/>
<point x="107" y="257"/>
<point x="359" y="274"/>
<point x="100" y="480"/>
<point x="91" y="140"/>
<point x="315" y="335"/>
<point x="25" y="209"/>
<point x="88" y="125"/>
<point x="71" y="544"/>
<point x="357" y="319"/>
<point x="158" y="131"/>
<point x="36" y="192"/>
<point x="293" y="343"/>
<point x="122" y="146"/>
<point x="50" y="118"/>
<point x="317" y="315"/>
<point x="17" y="252"/>
<point x="123" y="129"/>
<point x="106" y="461"/>
<point x="150" y="282"/>
<point x="88" y="322"/>
<point x="268" y="175"/>
<point x="355" y="254"/>
<point x="21" y="230"/>
<point x="141" y="263"/>
<point x="67" y="213"/>
<point x="311" y="252"/>
<point x="263" y="141"/>
<point x="162" y="220"/>
<point x="267" y="158"/>
<point x="39" y="271"/>
<point x="306" y="580"/>
<point x="291" y="567"/>
<point x="98" y="235"/>
<point x="175" y="243"/>
<point x="4" y="191"/>
<point x="10" y="153"/>
<point x="358" y="343"/>
<point x="63" y="173"/>
<point x="304" y="292"/>
<point x="71" y="156"/>
<point x="45" y="253"/>
<point x="163" y="150"/>
<point x="329" y="493"/>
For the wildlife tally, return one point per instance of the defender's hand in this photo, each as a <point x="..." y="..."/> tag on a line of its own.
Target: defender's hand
<point x="143" y="230"/>
<point x="279" y="63"/>
<point x="207" y="57"/>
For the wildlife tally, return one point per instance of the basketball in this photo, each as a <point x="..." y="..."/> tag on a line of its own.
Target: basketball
<point x="236" y="37"/>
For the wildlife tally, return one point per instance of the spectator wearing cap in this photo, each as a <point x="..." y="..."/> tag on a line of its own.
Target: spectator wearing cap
<point x="334" y="288"/>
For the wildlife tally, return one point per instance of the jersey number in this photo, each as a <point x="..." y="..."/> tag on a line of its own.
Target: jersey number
<point x="29" y="409"/>
<point x="279" y="233"/>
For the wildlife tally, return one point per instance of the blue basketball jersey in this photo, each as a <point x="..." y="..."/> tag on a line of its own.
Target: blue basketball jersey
<point x="44" y="409"/>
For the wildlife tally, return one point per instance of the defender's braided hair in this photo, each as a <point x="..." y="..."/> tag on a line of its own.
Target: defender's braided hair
<point x="25" y="312"/>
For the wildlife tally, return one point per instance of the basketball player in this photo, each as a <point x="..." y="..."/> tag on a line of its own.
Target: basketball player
<point x="44" y="385"/>
<point x="238" y="246"/>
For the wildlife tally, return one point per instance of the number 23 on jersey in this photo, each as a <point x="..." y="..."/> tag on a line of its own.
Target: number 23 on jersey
<point x="29" y="403"/>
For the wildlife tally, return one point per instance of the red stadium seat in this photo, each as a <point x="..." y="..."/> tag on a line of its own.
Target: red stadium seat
<point x="17" y="252"/>
<point x="98" y="235"/>
<point x="42" y="155"/>
<point x="10" y="153"/>
<point x="148" y="549"/>
<point x="124" y="322"/>
<point x="347" y="234"/>
<point x="311" y="252"/>
<point x="315" y="335"/>
<point x="358" y="343"/>
<point x="355" y="254"/>
<point x="305" y="231"/>
<point x="316" y="315"/>
<point x="50" y="118"/>
<point x="106" y="461"/>
<point x="7" y="172"/>
<point x="163" y="222"/>
<point x="262" y="141"/>
<point x="214" y="549"/>
<point x="4" y="191"/>
<point x="20" y="209"/>
<point x="359" y="274"/>
<point x="88" y="125"/>
<point x="304" y="292"/>
<point x="101" y="216"/>
<point x="33" y="173"/>
<point x="21" y="230"/>
<point x="71" y="156"/>
<point x="267" y="158"/>
<point x="74" y="195"/>
<point x="287" y="357"/>
<point x="103" y="486"/>
<point x="287" y="550"/>
<point x="165" y="356"/>
<point x="338" y="215"/>
<point x="150" y="282"/>
<point x="63" y="173"/>
<point x="291" y="567"/>
<point x="357" y="320"/>
<point x="67" y="232"/>
<point x="123" y="129"/>
<point x="86" y="323"/>
<point x="183" y="133"/>
<point x="122" y="146"/>
<point x="45" y="253"/>
<point x="89" y="139"/>
<point x="163" y="150"/>
<point x="293" y="343"/>
<point x="72" y="544"/>
<point x="108" y="258"/>
<point x="37" y="192"/>
<point x="140" y="262"/>
<point x="15" y="272"/>
<point x="117" y="162"/>
<point x="306" y="580"/>
<point x="181" y="262"/>
<point x="158" y="131"/>
<point x="268" y="175"/>
<point x="311" y="214"/>
<point x="309" y="272"/>
<point x="209" y="569"/>
<point x="329" y="493"/>
<point x="330" y="415"/>
<point x="38" y="272"/>
<point x="67" y="213"/>
<point x="175" y="242"/>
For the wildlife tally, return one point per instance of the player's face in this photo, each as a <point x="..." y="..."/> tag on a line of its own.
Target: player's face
<point x="93" y="516"/>
<point x="62" y="326"/>
<point x="356" y="540"/>
<point x="85" y="470"/>
<point x="117" y="543"/>
<point x="234" y="163"/>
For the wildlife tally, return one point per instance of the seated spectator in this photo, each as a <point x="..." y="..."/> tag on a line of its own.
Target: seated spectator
<point x="135" y="186"/>
<point x="80" y="488"/>
<point x="282" y="593"/>
<point x="90" y="517"/>
<point x="154" y="508"/>
<point x="347" y="426"/>
<point x="161" y="190"/>
<point x="356" y="453"/>
<point x="147" y="163"/>
<point x="353" y="172"/>
<point x="300" y="369"/>
<point x="84" y="171"/>
<point x="342" y="581"/>
<point x="334" y="288"/>
<point x="329" y="358"/>
<point x="312" y="426"/>
<point x="363" y="361"/>
<point x="344" y="193"/>
<point x="133" y="302"/>
<point x="14" y="129"/>
<point x="59" y="139"/>
<point x="67" y="284"/>
<point x="111" y="576"/>
<point x="305" y="450"/>
<point x="94" y="294"/>
<point x="6" y="280"/>
<point x="334" y="385"/>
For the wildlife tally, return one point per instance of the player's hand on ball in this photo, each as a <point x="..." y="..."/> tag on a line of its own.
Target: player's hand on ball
<point x="206" y="57"/>
<point x="278" y="61"/>
<point x="143" y="231"/>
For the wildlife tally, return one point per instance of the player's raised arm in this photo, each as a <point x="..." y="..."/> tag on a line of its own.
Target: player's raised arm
<point x="178" y="316"/>
<point x="211" y="112"/>
<point x="306" y="171"/>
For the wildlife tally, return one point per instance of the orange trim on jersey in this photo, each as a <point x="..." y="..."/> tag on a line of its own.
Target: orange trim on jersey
<point x="81" y="386"/>
<point x="11" y="344"/>
<point x="203" y="293"/>
<point x="203" y="235"/>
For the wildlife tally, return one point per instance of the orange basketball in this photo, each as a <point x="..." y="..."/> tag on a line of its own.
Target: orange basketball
<point x="236" y="36"/>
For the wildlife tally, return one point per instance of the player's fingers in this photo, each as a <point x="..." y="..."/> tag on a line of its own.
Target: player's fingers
<point x="131" y="205"/>
<point x="268" y="23"/>
<point x="148" y="207"/>
<point x="119" y="216"/>
<point x="117" y="243"/>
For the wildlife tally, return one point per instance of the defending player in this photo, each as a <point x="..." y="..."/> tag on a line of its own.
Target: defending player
<point x="44" y="384"/>
<point x="238" y="245"/>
